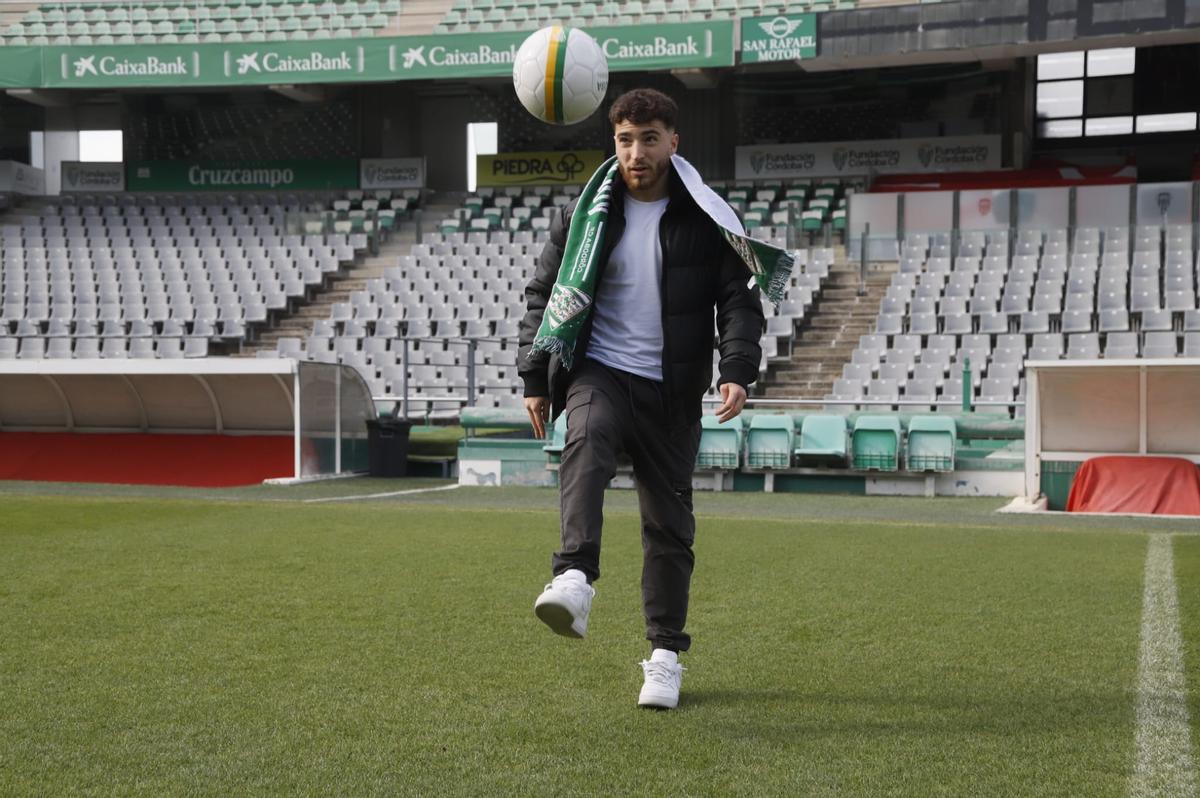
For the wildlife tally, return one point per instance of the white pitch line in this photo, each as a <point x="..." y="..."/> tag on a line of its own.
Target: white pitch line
<point x="381" y="495"/>
<point x="1165" y="757"/>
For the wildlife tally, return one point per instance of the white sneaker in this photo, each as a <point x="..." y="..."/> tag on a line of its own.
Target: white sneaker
<point x="565" y="603"/>
<point x="661" y="688"/>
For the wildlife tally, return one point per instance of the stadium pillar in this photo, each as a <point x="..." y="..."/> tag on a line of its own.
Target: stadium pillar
<point x="61" y="144"/>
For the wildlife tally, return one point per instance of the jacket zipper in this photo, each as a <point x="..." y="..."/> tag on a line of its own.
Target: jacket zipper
<point x="666" y="360"/>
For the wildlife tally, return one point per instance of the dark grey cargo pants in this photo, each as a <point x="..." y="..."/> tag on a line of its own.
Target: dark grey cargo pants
<point x="610" y="412"/>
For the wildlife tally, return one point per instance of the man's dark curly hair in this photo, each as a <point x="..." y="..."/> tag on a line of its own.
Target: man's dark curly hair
<point x="643" y="106"/>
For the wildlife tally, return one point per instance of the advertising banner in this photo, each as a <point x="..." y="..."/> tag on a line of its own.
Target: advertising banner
<point x="637" y="47"/>
<point x="901" y="156"/>
<point x="392" y="173"/>
<point x="241" y="175"/>
<point x="787" y="37"/>
<point x="21" y="178"/>
<point x="78" y="176"/>
<point x="572" y="167"/>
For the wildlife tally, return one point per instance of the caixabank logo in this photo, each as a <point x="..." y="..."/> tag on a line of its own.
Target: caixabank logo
<point x="350" y="61"/>
<point x="92" y="67"/>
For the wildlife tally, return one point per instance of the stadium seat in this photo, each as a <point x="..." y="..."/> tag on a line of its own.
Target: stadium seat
<point x="876" y="443"/>
<point x="930" y="445"/>
<point x="769" y="441"/>
<point x="720" y="443"/>
<point x="822" y="441"/>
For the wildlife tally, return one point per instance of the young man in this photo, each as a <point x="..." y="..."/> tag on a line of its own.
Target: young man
<point x="642" y="361"/>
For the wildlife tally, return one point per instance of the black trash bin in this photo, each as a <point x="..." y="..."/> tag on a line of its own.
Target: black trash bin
<point x="387" y="446"/>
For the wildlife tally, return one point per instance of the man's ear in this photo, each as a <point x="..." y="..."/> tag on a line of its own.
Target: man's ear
<point x="674" y="142"/>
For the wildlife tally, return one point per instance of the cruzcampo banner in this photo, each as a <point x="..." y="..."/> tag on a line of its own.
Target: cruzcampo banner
<point x="787" y="37"/>
<point x="572" y="167"/>
<point x="241" y="175"/>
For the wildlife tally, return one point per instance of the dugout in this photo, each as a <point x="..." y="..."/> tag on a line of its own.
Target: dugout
<point x="201" y="422"/>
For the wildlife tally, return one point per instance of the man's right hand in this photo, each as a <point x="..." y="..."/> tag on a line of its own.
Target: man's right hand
<point x="538" y="408"/>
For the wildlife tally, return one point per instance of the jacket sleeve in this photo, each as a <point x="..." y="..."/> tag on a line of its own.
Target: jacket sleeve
<point x="740" y="322"/>
<point x="535" y="374"/>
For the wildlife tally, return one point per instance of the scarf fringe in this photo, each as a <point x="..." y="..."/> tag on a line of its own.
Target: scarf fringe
<point x="781" y="278"/>
<point x="554" y="345"/>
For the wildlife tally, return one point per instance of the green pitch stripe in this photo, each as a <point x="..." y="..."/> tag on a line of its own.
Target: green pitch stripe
<point x="560" y="62"/>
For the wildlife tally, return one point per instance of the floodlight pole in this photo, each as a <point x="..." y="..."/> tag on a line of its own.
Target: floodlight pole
<point x="862" y="260"/>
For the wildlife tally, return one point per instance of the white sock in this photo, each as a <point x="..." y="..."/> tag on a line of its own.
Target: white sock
<point x="576" y="574"/>
<point x="664" y="655"/>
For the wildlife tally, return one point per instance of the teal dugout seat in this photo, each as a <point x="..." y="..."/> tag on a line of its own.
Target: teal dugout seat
<point x="770" y="441"/>
<point x="930" y="446"/>
<point x="822" y="441"/>
<point x="876" y="443"/>
<point x="720" y="443"/>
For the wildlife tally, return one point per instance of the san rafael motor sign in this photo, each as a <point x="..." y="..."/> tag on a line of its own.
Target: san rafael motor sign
<point x="787" y="37"/>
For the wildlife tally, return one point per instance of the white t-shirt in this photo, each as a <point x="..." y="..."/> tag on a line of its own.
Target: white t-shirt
<point x="627" y="331"/>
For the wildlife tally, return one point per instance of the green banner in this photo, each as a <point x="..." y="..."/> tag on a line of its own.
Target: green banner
<point x="787" y="37"/>
<point x="20" y="67"/>
<point x="240" y="175"/>
<point x="701" y="44"/>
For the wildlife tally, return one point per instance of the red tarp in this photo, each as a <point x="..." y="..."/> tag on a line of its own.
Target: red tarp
<point x="140" y="459"/>
<point x="1152" y="485"/>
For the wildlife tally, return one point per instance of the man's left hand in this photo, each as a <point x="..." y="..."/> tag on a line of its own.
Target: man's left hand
<point x="734" y="397"/>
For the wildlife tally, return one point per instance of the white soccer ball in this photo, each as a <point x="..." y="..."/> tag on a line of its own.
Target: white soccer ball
<point x="560" y="75"/>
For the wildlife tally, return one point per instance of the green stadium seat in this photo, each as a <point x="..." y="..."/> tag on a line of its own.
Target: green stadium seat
<point x="769" y="442"/>
<point x="220" y="14"/>
<point x="206" y="26"/>
<point x="305" y="10"/>
<point x="77" y="14"/>
<point x="720" y="444"/>
<point x="36" y="28"/>
<point x="931" y="444"/>
<point x="379" y="20"/>
<point x="822" y="441"/>
<point x="159" y="14"/>
<point x="313" y="24"/>
<point x="876" y="443"/>
<point x="328" y="9"/>
<point x="35" y="15"/>
<point x="232" y="38"/>
<point x="241" y="13"/>
<point x="97" y="14"/>
<point x="180" y="14"/>
<point x="271" y="25"/>
<point x="164" y="28"/>
<point x="84" y="39"/>
<point x="285" y="12"/>
<point x="277" y="36"/>
<point x="369" y="7"/>
<point x="390" y="7"/>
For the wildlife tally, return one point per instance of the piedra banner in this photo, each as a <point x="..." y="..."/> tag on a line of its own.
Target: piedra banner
<point x="570" y="168"/>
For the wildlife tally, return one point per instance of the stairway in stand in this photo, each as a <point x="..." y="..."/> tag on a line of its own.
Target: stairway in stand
<point x="828" y="336"/>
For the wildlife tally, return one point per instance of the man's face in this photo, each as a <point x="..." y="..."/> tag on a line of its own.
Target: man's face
<point x="644" y="154"/>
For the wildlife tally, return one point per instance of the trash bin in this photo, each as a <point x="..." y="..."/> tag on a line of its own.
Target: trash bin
<point x="387" y="446"/>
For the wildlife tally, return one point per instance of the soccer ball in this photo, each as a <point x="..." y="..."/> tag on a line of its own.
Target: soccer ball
<point x="560" y="75"/>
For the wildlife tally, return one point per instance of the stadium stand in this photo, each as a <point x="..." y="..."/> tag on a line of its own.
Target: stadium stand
<point x="440" y="325"/>
<point x="107" y="22"/>
<point x="995" y="300"/>
<point x="158" y="276"/>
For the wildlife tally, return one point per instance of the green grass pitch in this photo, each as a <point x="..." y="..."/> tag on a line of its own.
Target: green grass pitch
<point x="173" y="642"/>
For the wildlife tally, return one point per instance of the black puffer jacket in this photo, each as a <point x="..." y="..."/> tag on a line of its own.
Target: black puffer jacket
<point x="700" y="271"/>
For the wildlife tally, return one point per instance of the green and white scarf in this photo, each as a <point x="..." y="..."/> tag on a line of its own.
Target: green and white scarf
<point x="573" y="292"/>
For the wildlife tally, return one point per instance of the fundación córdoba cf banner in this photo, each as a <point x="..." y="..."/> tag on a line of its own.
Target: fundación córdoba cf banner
<point x="833" y="159"/>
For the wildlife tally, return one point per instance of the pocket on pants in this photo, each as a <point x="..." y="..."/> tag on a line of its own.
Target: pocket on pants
<point x="578" y="408"/>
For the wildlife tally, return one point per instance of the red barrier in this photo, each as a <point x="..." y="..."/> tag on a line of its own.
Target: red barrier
<point x="1153" y="485"/>
<point x="139" y="459"/>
